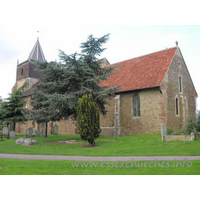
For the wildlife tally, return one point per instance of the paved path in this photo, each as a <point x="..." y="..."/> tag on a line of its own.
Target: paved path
<point x="98" y="158"/>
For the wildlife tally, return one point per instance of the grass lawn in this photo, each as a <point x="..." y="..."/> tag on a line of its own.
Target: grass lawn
<point x="136" y="145"/>
<point x="50" y="167"/>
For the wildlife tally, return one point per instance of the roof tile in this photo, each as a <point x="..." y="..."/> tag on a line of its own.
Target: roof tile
<point x="143" y="72"/>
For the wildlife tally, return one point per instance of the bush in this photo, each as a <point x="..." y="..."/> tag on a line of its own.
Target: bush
<point x="169" y="131"/>
<point x="197" y="124"/>
<point x="88" y="119"/>
<point x="192" y="126"/>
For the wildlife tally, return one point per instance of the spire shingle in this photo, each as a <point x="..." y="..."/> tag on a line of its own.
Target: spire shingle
<point x="37" y="53"/>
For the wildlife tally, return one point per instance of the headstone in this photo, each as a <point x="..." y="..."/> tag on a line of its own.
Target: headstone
<point x="20" y="141"/>
<point x="192" y="138"/>
<point x="55" y="130"/>
<point x="26" y="132"/>
<point x="33" y="132"/>
<point x="163" y="131"/>
<point x="37" y="133"/>
<point x="42" y="129"/>
<point x="5" y="131"/>
<point x="34" y="142"/>
<point x="29" y="132"/>
<point x="67" y="142"/>
<point x="12" y="134"/>
<point x="26" y="142"/>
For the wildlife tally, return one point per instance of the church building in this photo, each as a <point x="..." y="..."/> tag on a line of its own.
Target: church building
<point x="155" y="89"/>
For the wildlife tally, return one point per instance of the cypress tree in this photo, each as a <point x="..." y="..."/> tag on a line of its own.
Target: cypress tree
<point x="88" y="119"/>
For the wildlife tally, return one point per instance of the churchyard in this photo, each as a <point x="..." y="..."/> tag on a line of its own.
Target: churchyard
<point x="136" y="145"/>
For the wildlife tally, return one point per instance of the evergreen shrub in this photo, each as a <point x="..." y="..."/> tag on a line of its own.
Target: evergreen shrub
<point x="88" y="119"/>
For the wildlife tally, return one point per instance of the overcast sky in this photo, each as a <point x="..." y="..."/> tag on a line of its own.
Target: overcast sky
<point x="65" y="25"/>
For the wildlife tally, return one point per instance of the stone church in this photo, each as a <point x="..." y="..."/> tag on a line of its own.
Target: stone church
<point x="155" y="88"/>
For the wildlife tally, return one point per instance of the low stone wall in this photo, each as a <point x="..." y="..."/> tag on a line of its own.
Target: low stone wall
<point x="178" y="137"/>
<point x="166" y="137"/>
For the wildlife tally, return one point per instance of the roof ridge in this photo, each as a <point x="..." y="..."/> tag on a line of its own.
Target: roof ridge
<point x="144" y="55"/>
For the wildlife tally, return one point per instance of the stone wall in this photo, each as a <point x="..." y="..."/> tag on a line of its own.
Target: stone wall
<point x="186" y="98"/>
<point x="107" y="122"/>
<point x="28" y="71"/>
<point x="150" y="120"/>
<point x="67" y="127"/>
<point x="158" y="105"/>
<point x="30" y="81"/>
<point x="25" y="66"/>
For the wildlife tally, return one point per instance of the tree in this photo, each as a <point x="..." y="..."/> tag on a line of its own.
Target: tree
<point x="1" y="123"/>
<point x="63" y="83"/>
<point x="1" y="99"/>
<point x="41" y="112"/>
<point x="88" y="119"/>
<point x="12" y="110"/>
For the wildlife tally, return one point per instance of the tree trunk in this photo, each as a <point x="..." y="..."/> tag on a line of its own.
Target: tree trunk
<point x="46" y="130"/>
<point x="14" y="127"/>
<point x="91" y="142"/>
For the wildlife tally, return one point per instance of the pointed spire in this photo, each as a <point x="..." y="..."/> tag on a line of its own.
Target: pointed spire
<point x="37" y="53"/>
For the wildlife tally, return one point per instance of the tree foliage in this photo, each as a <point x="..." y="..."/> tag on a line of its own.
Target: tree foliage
<point x="88" y="119"/>
<point x="12" y="110"/>
<point x="63" y="83"/>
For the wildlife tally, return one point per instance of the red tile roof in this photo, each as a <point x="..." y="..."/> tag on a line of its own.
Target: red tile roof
<point x="143" y="72"/>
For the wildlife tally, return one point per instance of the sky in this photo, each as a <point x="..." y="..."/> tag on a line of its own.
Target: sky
<point x="65" y="25"/>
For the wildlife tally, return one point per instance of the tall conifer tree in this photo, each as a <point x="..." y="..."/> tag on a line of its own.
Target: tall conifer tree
<point x="63" y="83"/>
<point x="12" y="110"/>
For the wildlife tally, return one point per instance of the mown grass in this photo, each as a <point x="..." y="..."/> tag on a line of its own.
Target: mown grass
<point x="136" y="145"/>
<point x="50" y="167"/>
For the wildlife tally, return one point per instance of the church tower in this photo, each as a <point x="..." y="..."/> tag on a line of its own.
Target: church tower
<point x="26" y="70"/>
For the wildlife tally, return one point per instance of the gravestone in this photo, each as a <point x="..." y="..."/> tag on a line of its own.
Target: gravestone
<point x="55" y="130"/>
<point x="5" y="131"/>
<point x="42" y="129"/>
<point x="12" y="134"/>
<point x="33" y="132"/>
<point x="26" y="142"/>
<point x="192" y="138"/>
<point x="163" y="131"/>
<point x="37" y="133"/>
<point x="20" y="141"/>
<point x="42" y="132"/>
<point x="29" y="132"/>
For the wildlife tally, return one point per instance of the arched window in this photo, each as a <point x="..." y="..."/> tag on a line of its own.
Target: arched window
<point x="22" y="71"/>
<point x="136" y="105"/>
